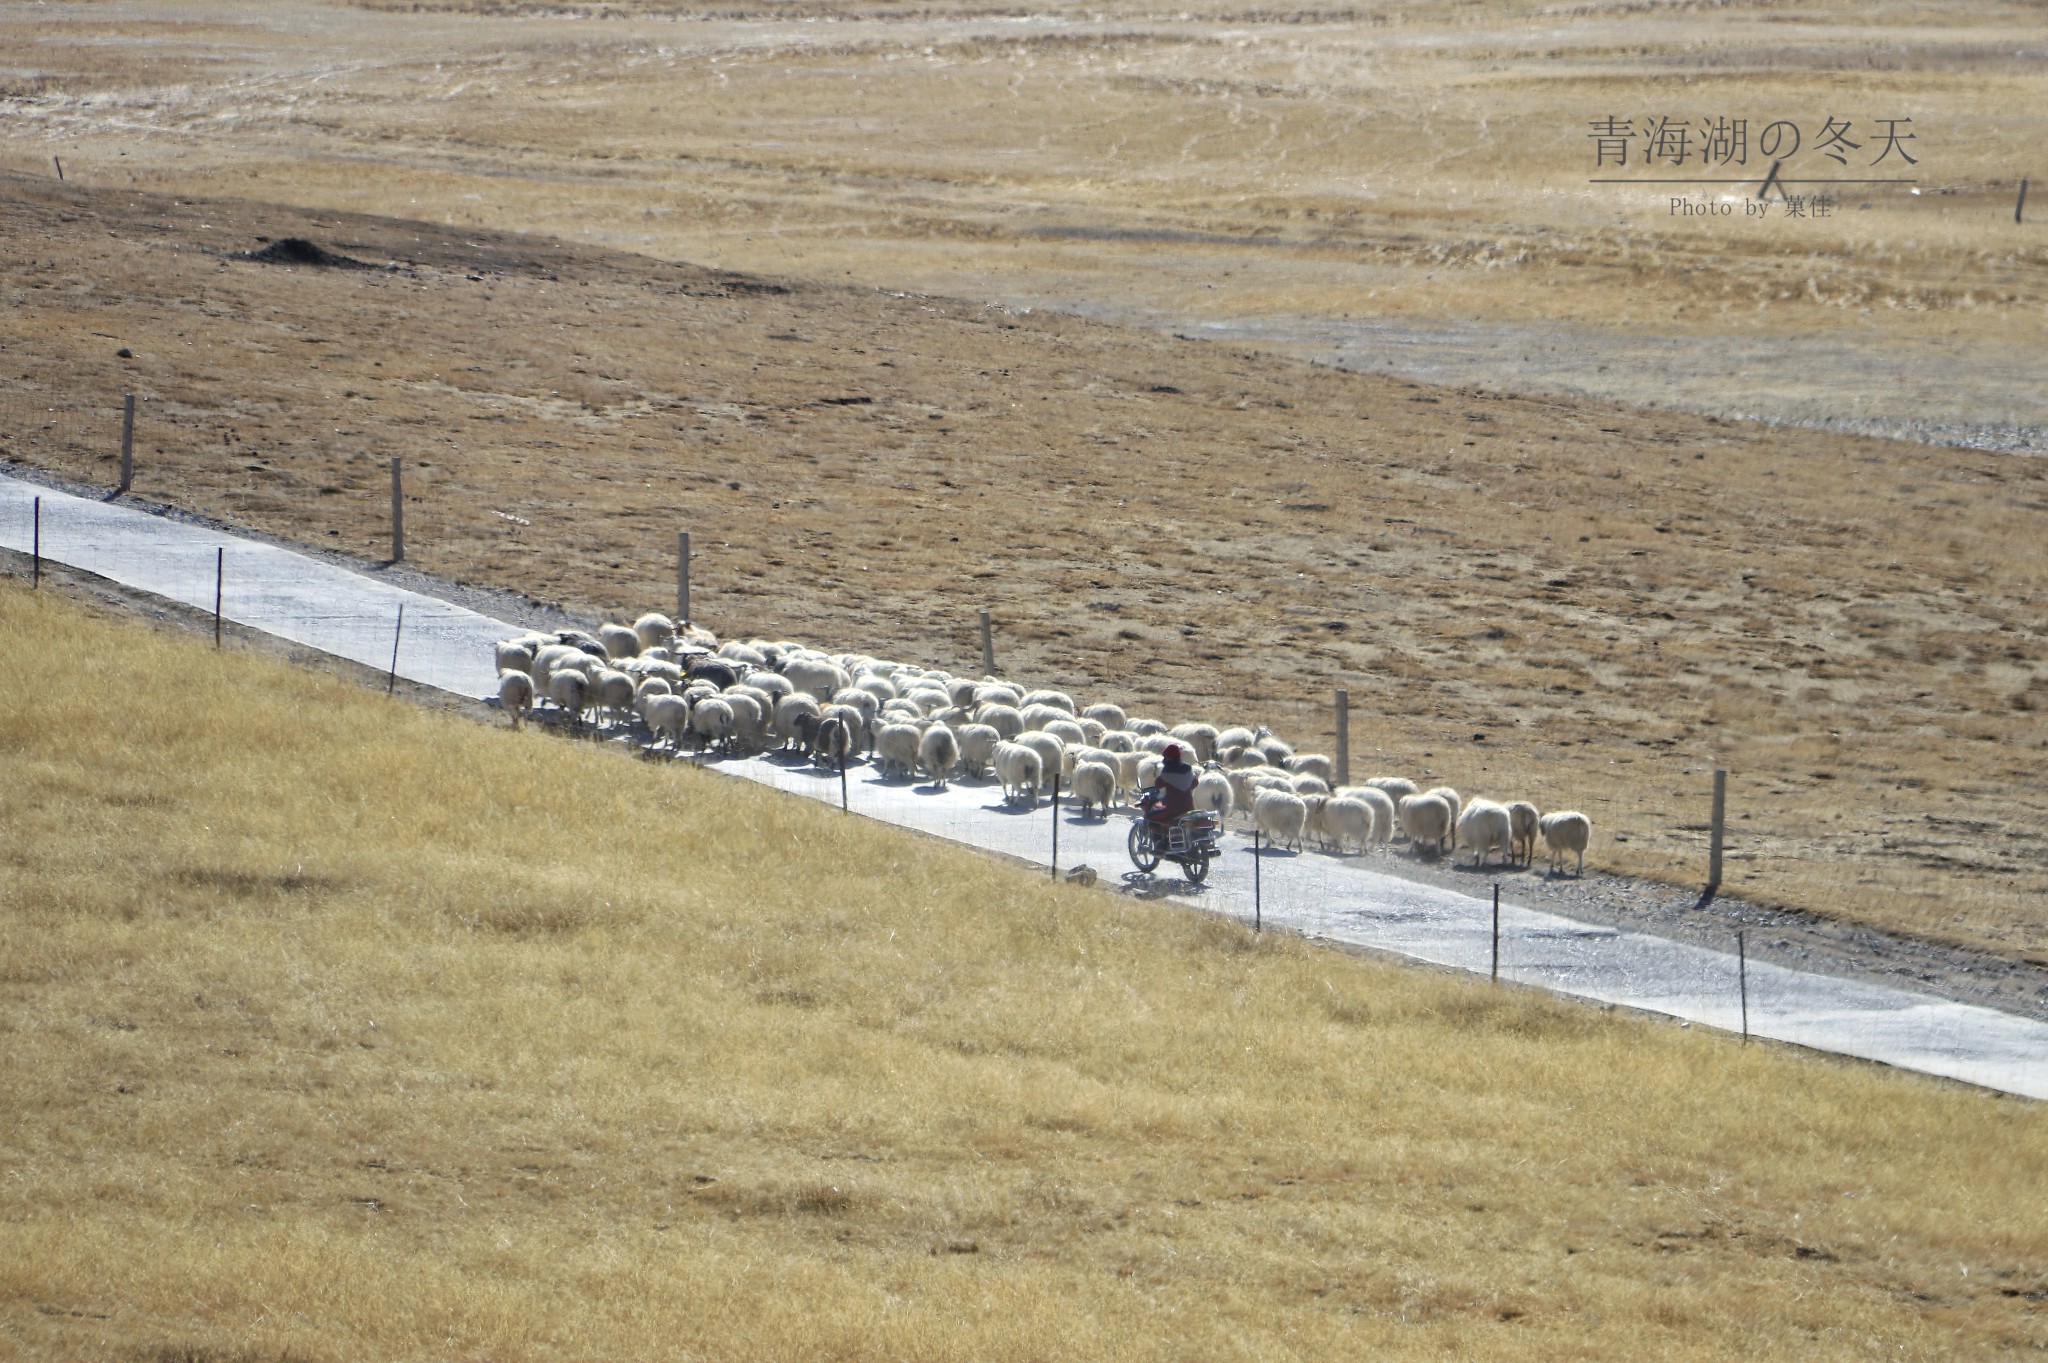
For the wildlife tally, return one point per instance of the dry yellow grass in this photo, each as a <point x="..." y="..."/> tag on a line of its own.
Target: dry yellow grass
<point x="340" y="1029"/>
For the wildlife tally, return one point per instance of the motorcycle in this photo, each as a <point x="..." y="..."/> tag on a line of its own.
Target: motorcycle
<point x="1190" y="842"/>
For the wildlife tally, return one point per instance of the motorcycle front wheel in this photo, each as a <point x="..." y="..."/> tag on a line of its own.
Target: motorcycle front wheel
<point x="1143" y="855"/>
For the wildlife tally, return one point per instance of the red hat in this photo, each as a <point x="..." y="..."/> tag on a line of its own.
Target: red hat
<point x="1171" y="752"/>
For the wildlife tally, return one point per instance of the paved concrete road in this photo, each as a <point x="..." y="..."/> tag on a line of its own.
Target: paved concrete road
<point x="353" y="615"/>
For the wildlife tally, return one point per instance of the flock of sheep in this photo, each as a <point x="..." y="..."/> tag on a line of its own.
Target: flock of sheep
<point x="742" y="698"/>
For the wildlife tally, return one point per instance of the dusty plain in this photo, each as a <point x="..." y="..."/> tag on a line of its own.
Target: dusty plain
<point x="1617" y="599"/>
<point x="664" y="266"/>
<point x="329" y="1029"/>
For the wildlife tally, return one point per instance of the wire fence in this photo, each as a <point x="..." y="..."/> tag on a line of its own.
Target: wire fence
<point x="1930" y="872"/>
<point x="1291" y="885"/>
<point x="81" y="439"/>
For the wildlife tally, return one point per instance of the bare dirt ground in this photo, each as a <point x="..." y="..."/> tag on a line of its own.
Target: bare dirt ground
<point x="1578" y="602"/>
<point x="1339" y="182"/>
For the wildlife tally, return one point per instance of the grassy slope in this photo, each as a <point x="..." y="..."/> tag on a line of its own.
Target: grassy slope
<point x="334" y="1026"/>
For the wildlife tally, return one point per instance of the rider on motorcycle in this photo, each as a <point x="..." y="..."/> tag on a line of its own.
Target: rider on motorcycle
<point x="1172" y="793"/>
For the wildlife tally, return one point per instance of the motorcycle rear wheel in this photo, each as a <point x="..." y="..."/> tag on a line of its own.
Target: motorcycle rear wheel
<point x="1195" y="866"/>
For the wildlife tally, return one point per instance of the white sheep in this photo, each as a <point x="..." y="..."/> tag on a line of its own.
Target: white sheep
<point x="667" y="716"/>
<point x="1522" y="818"/>
<point x="1038" y="716"/>
<point x="1485" y="828"/>
<point x="1092" y="731"/>
<point x="1108" y="716"/>
<point x="1243" y="759"/>
<point x="546" y="659"/>
<point x="1118" y="740"/>
<point x="711" y="720"/>
<point x="1200" y="737"/>
<point x="1346" y="821"/>
<point x="618" y="641"/>
<point x="1380" y="803"/>
<point x="1051" y="754"/>
<point x="1305" y="784"/>
<point x="896" y="747"/>
<point x="515" y="693"/>
<point x="977" y="749"/>
<point x="864" y="701"/>
<point x="1426" y="819"/>
<point x="1067" y="732"/>
<point x="1566" y="831"/>
<point x="773" y="685"/>
<point x="1235" y="738"/>
<point x="1213" y="793"/>
<point x="996" y="693"/>
<point x="930" y="699"/>
<point x="655" y="631"/>
<point x="1449" y="797"/>
<point x="818" y="678"/>
<point x="1127" y="772"/>
<point x="876" y="685"/>
<point x="1058" y="700"/>
<point x="515" y="655"/>
<point x="1021" y="771"/>
<point x="1094" y="786"/>
<point x="1281" y="816"/>
<point x="750" y="714"/>
<point x="1313" y="764"/>
<point x="1312" y="821"/>
<point x="569" y="690"/>
<point x="1142" y="726"/>
<point x="743" y="653"/>
<point x="938" y="752"/>
<point x="1004" y="719"/>
<point x="612" y="693"/>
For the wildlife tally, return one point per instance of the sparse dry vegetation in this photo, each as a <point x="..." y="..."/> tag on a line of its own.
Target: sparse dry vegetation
<point x="330" y="1028"/>
<point x="1617" y="599"/>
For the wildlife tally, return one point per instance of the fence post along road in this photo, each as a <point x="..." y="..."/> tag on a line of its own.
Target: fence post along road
<point x="352" y="614"/>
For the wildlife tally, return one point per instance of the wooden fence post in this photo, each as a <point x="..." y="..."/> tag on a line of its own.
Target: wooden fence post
<point x="682" y="577"/>
<point x="1343" y="737"/>
<point x="988" y="647"/>
<point x="220" y="577"/>
<point x="35" y="569"/>
<point x="397" y="511"/>
<point x="127" y="441"/>
<point x="1720" y="818"/>
<point x="1742" y="976"/>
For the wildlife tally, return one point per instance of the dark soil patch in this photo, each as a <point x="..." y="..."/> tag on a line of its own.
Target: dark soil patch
<point x="299" y="251"/>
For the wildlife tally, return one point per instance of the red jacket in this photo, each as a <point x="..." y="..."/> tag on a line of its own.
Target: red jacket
<point x="1174" y="791"/>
